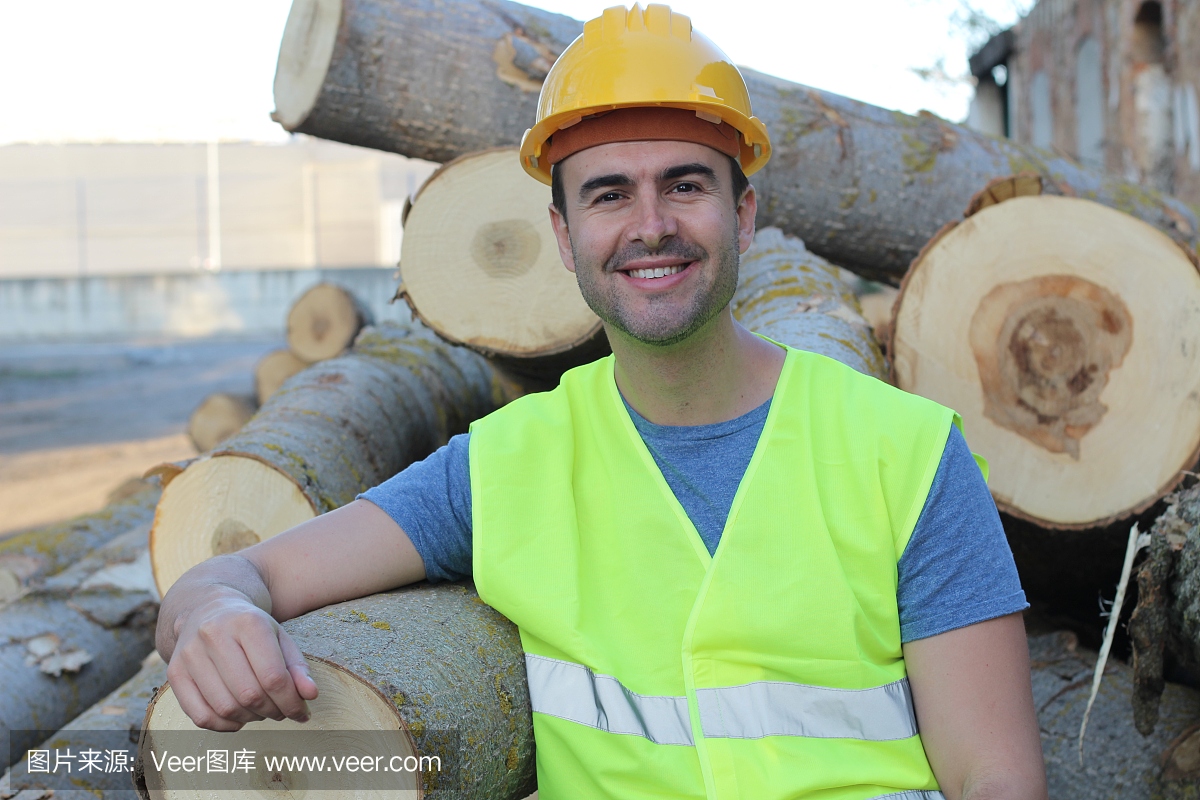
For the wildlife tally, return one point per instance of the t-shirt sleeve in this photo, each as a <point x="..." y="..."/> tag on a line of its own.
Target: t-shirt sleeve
<point x="431" y="501"/>
<point x="957" y="568"/>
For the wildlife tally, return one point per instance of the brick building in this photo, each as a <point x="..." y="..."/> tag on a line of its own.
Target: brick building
<point x="1110" y="83"/>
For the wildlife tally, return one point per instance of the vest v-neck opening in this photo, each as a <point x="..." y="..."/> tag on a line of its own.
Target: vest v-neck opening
<point x="647" y="459"/>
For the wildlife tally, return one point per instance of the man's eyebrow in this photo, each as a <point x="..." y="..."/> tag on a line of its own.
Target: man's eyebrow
<point x="604" y="182"/>
<point x="683" y="170"/>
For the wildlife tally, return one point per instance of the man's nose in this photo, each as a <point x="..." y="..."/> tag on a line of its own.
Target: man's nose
<point x="654" y="224"/>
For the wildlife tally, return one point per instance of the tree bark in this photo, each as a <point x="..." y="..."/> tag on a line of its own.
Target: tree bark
<point x="863" y="187"/>
<point x="432" y="663"/>
<point x="1118" y="762"/>
<point x="796" y="298"/>
<point x="1166" y="623"/>
<point x="112" y="725"/>
<point x="219" y="416"/>
<point x="29" y="557"/>
<point x="69" y="642"/>
<point x="337" y="429"/>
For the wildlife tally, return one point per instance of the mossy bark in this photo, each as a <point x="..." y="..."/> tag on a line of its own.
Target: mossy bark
<point x="112" y="724"/>
<point x="350" y="423"/>
<point x="28" y="557"/>
<point x="799" y="299"/>
<point x="862" y="186"/>
<point x="72" y="640"/>
<point x="449" y="664"/>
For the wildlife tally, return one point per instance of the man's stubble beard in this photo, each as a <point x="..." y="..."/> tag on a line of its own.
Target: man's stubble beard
<point x="659" y="329"/>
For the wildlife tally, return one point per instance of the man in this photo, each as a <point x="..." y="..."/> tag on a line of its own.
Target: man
<point x="738" y="570"/>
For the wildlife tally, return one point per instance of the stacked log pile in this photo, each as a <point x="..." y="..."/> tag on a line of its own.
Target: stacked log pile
<point x="337" y="429"/>
<point x="321" y="324"/>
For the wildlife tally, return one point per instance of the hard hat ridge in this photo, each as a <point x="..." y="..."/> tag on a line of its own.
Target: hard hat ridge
<point x="635" y="58"/>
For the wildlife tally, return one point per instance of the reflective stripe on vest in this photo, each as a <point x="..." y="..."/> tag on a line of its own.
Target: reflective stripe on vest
<point x="911" y="795"/>
<point x="750" y="711"/>
<point x="573" y="692"/>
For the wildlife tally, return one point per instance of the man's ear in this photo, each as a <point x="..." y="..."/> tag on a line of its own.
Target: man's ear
<point x="559" y="223"/>
<point x="747" y="209"/>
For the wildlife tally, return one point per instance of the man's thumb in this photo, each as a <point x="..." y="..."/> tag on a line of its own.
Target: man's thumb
<point x="294" y="660"/>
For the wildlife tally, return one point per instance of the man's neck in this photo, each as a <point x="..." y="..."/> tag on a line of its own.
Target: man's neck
<point x="721" y="372"/>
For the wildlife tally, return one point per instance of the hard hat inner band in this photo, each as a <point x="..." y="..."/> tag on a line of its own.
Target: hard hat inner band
<point x="654" y="123"/>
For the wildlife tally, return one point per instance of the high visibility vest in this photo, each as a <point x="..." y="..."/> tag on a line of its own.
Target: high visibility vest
<point x="771" y="669"/>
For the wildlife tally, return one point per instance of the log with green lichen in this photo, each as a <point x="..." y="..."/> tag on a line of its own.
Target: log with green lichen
<point x="862" y="186"/>
<point x="799" y="299"/>
<point x="333" y="431"/>
<point x="28" y="557"/>
<point x="111" y="728"/>
<point x="74" y="638"/>
<point x="432" y="664"/>
<point x="1165" y="626"/>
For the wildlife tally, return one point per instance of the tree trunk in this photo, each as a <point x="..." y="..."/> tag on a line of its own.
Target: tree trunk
<point x="112" y="725"/>
<point x="480" y="266"/>
<point x="1165" y="626"/>
<point x="863" y="187"/>
<point x="1058" y="327"/>
<point x="337" y="429"/>
<point x="432" y="664"/>
<point x="272" y="370"/>
<point x="324" y="321"/>
<point x="219" y="416"/>
<point x="799" y="299"/>
<point x="1118" y="763"/>
<point x="69" y="642"/>
<point x="29" y="557"/>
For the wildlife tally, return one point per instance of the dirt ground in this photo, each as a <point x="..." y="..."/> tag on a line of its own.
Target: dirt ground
<point x="77" y="420"/>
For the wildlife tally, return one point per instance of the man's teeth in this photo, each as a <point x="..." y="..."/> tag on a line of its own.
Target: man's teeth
<point x="657" y="272"/>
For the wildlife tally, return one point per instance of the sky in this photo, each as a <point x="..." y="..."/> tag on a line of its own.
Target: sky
<point x="166" y="70"/>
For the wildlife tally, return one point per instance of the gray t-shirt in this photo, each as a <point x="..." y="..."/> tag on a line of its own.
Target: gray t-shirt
<point x="956" y="570"/>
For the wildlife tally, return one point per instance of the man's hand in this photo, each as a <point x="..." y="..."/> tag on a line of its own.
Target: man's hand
<point x="218" y="627"/>
<point x="233" y="664"/>
<point x="974" y="701"/>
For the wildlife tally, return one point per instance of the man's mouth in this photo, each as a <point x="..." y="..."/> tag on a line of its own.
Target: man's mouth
<point x="655" y="272"/>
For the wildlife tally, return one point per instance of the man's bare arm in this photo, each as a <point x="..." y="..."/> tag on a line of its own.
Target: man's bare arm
<point x="974" y="701"/>
<point x="229" y="661"/>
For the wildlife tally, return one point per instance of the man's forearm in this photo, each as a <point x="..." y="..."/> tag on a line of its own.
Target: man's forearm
<point x="230" y="575"/>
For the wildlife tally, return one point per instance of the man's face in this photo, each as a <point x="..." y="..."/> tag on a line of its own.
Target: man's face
<point x="655" y="235"/>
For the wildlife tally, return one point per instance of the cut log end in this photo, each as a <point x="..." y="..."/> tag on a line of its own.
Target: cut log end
<point x="481" y="264"/>
<point x="272" y="370"/>
<point x="349" y="717"/>
<point x="217" y="506"/>
<point x="305" y="52"/>
<point x="218" y="417"/>
<point x="1078" y="375"/>
<point x="324" y="322"/>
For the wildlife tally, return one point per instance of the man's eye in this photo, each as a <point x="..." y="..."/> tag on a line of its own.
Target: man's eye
<point x="685" y="187"/>
<point x="608" y="197"/>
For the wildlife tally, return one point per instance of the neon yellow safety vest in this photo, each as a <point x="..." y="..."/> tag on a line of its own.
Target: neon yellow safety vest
<point x="772" y="669"/>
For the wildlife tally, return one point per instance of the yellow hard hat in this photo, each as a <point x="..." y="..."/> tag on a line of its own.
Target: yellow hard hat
<point x="638" y="59"/>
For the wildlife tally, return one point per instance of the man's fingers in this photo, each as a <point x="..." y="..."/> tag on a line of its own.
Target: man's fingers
<point x="268" y="660"/>
<point x="211" y="684"/>
<point x="194" y="705"/>
<point x="227" y="651"/>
